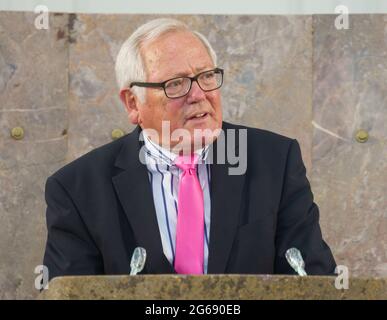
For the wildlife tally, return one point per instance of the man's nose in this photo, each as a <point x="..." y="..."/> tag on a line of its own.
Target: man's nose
<point x="196" y="94"/>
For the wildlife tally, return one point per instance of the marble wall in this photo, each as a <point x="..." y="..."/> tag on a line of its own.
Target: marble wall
<point x="349" y="178"/>
<point x="295" y="75"/>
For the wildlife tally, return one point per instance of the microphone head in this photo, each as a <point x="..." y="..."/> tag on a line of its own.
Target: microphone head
<point x="137" y="262"/>
<point x="294" y="258"/>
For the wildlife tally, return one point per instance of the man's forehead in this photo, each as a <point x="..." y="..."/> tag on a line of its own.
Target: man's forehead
<point x="176" y="54"/>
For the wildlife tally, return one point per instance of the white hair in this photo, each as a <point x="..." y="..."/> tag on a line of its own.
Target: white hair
<point x="129" y="63"/>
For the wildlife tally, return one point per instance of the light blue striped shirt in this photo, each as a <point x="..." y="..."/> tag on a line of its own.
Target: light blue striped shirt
<point x="164" y="178"/>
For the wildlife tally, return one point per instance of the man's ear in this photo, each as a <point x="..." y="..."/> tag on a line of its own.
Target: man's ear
<point x="131" y="103"/>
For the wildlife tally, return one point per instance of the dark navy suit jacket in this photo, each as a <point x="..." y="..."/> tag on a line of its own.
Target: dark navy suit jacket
<point x="100" y="208"/>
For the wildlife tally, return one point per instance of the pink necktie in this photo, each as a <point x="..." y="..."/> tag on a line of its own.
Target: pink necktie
<point x="190" y="219"/>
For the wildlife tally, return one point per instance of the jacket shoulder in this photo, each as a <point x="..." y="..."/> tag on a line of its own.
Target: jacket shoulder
<point x="95" y="163"/>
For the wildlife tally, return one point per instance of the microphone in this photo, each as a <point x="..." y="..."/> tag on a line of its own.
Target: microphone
<point x="137" y="262"/>
<point x="294" y="258"/>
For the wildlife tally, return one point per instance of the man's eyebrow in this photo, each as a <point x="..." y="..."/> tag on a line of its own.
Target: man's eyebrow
<point x="186" y="74"/>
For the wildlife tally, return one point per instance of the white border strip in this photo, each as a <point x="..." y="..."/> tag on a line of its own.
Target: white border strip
<point x="278" y="7"/>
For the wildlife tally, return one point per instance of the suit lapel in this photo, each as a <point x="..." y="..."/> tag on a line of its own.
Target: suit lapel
<point x="135" y="194"/>
<point x="226" y="194"/>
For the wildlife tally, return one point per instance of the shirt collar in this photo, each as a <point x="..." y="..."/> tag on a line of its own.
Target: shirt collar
<point x="165" y="156"/>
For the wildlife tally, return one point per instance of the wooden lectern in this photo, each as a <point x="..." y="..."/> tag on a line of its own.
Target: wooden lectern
<point x="209" y="287"/>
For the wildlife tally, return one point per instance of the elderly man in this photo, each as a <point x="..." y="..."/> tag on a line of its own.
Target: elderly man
<point x="169" y="193"/>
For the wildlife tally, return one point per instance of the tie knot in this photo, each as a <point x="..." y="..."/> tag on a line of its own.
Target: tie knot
<point x="187" y="162"/>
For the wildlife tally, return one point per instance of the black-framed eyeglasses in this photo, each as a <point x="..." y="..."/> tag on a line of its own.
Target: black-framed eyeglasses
<point x="178" y="87"/>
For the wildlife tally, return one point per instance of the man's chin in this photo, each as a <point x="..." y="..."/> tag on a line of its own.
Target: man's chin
<point x="203" y="137"/>
<point x="196" y="140"/>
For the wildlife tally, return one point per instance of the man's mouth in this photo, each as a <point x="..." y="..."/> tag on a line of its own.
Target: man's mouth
<point x="198" y="116"/>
